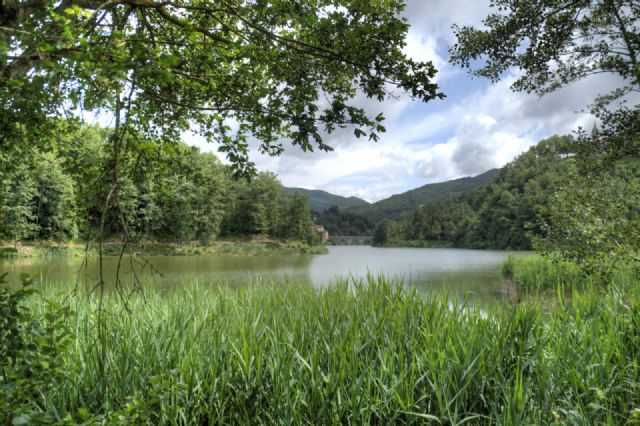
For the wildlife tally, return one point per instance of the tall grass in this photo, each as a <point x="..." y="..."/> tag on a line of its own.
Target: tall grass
<point x="358" y="353"/>
<point x="537" y="274"/>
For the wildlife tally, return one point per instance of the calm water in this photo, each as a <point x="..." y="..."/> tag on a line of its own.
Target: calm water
<point x="459" y="271"/>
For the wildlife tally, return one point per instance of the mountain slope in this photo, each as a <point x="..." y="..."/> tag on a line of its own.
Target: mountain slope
<point x="320" y="201"/>
<point x="394" y="206"/>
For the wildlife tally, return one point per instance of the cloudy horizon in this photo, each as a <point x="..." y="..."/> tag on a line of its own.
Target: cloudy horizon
<point x="478" y="126"/>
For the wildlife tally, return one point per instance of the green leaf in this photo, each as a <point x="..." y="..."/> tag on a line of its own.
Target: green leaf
<point x="425" y="416"/>
<point x="75" y="10"/>
<point x="84" y="414"/>
<point x="22" y="419"/>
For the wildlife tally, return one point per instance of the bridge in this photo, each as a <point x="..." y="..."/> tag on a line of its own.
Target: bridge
<point x="350" y="240"/>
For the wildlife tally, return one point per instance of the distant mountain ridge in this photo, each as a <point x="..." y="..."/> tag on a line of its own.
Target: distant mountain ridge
<point x="319" y="201"/>
<point x="394" y="206"/>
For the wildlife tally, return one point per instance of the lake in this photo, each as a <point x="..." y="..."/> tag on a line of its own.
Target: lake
<point x="459" y="271"/>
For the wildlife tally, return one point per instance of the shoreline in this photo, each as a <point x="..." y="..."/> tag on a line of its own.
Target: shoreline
<point x="264" y="247"/>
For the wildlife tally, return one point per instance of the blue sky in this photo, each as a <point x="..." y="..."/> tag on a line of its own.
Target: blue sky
<point x="478" y="126"/>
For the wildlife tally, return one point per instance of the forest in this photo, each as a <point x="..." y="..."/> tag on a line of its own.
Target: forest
<point x="174" y="193"/>
<point x="532" y="204"/>
<point x="555" y="198"/>
<point x="170" y="193"/>
<point x="394" y="206"/>
<point x="504" y="214"/>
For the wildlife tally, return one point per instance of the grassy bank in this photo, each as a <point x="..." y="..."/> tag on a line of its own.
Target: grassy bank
<point x="225" y="248"/>
<point x="244" y="247"/>
<point x="373" y="353"/>
<point x="537" y="275"/>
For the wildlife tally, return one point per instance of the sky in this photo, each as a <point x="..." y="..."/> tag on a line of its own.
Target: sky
<point x="478" y="126"/>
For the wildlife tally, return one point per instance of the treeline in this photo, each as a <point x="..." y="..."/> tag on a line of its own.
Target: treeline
<point x="504" y="214"/>
<point x="344" y="222"/>
<point x="169" y="193"/>
<point x="396" y="205"/>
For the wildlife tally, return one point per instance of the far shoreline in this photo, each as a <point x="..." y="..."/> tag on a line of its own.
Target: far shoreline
<point x="242" y="246"/>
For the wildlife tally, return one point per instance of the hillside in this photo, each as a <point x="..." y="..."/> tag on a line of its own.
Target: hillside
<point x="394" y="206"/>
<point x="509" y="212"/>
<point x="319" y="201"/>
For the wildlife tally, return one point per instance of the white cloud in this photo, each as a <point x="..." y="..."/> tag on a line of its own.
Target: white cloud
<point x="486" y="129"/>
<point x="423" y="47"/>
<point x="483" y="130"/>
<point x="436" y="16"/>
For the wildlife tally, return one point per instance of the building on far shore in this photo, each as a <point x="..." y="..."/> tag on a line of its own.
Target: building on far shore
<point x="324" y="234"/>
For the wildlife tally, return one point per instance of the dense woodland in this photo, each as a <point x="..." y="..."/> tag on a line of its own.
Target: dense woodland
<point x="397" y="205"/>
<point x="344" y="222"/>
<point x="172" y="193"/>
<point x="503" y="214"/>
<point x="175" y="193"/>
<point x="545" y="198"/>
<point x="320" y="201"/>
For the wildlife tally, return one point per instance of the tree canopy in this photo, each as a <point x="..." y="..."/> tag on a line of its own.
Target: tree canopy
<point x="502" y="214"/>
<point x="555" y="43"/>
<point x="185" y="196"/>
<point x="593" y="216"/>
<point x="274" y="70"/>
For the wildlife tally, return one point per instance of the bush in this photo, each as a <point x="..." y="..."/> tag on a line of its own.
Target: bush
<point x="30" y="352"/>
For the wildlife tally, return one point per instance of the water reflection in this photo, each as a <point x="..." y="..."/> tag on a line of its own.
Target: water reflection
<point x="458" y="271"/>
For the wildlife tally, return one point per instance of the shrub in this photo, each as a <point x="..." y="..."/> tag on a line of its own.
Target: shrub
<point x="30" y="352"/>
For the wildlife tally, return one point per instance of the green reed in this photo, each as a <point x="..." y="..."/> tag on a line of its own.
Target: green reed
<point x="358" y="352"/>
<point x="538" y="274"/>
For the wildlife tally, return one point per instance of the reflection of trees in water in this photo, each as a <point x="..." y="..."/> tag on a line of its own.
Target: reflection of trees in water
<point x="457" y="271"/>
<point x="175" y="270"/>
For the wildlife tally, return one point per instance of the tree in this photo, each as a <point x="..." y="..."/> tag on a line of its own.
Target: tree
<point x="555" y="43"/>
<point x="281" y="70"/>
<point x="185" y="202"/>
<point x="382" y="233"/>
<point x="17" y="194"/>
<point x="37" y="200"/>
<point x="263" y="198"/>
<point x="508" y="215"/>
<point x="253" y="208"/>
<point x="617" y="139"/>
<point x="595" y="220"/>
<point x="295" y="220"/>
<point x="55" y="201"/>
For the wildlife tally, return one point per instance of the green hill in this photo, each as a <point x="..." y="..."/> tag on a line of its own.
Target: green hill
<point x="394" y="206"/>
<point x="319" y="201"/>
